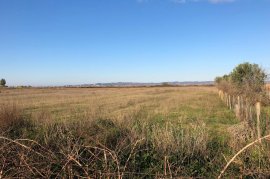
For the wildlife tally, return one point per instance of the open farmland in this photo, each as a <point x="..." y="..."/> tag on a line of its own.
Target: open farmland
<point x="170" y="104"/>
<point x="122" y="132"/>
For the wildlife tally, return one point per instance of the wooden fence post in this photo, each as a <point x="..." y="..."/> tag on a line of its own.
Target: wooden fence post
<point x="242" y="106"/>
<point x="236" y="107"/>
<point x="258" y="112"/>
<point x="238" y="100"/>
<point x="227" y="99"/>
<point x="230" y="102"/>
<point x="250" y="113"/>
<point x="237" y="111"/>
<point x="246" y="110"/>
<point x="220" y="94"/>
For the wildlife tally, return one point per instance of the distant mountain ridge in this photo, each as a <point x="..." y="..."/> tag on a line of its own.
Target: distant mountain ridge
<point x="138" y="84"/>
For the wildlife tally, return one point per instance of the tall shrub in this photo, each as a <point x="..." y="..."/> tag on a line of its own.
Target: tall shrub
<point x="2" y="82"/>
<point x="249" y="80"/>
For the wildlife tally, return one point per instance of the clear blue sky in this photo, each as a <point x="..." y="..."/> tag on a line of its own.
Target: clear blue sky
<point x="57" y="42"/>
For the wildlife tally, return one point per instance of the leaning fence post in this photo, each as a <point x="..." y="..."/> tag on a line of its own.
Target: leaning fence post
<point x="258" y="112"/>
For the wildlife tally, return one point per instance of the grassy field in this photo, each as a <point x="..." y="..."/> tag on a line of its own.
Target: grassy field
<point x="142" y="132"/>
<point x="163" y="104"/>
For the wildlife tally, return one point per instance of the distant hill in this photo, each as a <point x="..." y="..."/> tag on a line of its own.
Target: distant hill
<point x="134" y="84"/>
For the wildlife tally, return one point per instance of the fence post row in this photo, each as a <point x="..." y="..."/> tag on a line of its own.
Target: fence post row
<point x="243" y="108"/>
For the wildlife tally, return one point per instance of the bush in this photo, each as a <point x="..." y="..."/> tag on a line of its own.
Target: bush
<point x="246" y="79"/>
<point x="249" y="79"/>
<point x="2" y="82"/>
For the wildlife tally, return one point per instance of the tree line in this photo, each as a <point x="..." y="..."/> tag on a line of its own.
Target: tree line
<point x="246" y="80"/>
<point x="244" y="91"/>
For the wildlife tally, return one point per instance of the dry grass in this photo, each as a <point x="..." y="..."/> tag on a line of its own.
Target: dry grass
<point x="9" y="115"/>
<point x="183" y="106"/>
<point x="117" y="103"/>
<point x="109" y="132"/>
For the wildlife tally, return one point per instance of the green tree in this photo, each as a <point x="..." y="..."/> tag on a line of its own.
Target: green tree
<point x="248" y="78"/>
<point x="3" y="82"/>
<point x="218" y="80"/>
<point x="224" y="83"/>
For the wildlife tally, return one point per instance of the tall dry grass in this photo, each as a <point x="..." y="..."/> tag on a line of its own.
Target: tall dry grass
<point x="95" y="148"/>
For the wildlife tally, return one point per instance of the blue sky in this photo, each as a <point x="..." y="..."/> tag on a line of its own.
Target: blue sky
<point x="57" y="42"/>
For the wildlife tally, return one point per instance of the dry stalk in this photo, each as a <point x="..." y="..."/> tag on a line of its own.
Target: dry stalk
<point x="112" y="154"/>
<point x="1" y="172"/>
<point x="22" y="145"/>
<point x="45" y="149"/>
<point x="165" y="166"/>
<point x="169" y="167"/>
<point x="133" y="148"/>
<point x="71" y="158"/>
<point x="240" y="151"/>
